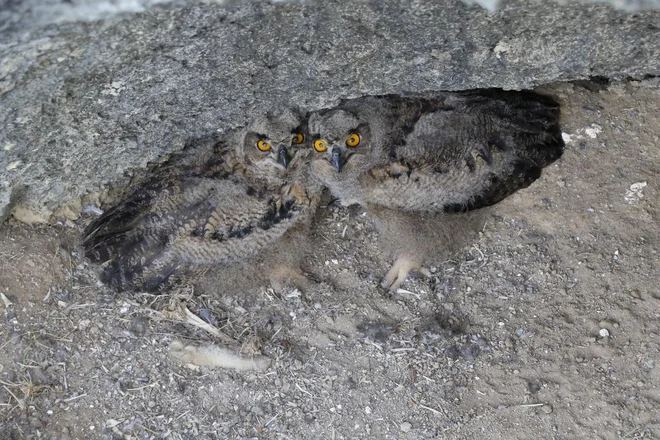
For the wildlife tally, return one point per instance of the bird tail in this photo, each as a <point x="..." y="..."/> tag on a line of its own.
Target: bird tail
<point x="524" y="127"/>
<point x="131" y="240"/>
<point x="113" y="228"/>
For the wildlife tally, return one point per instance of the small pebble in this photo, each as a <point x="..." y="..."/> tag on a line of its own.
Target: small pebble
<point x="207" y="315"/>
<point x="547" y="409"/>
<point x="604" y="333"/>
<point x="405" y="426"/>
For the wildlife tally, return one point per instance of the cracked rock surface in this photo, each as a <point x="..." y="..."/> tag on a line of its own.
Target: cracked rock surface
<point x="84" y="106"/>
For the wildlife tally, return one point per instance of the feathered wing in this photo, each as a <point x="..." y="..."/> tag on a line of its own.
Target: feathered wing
<point x="530" y="119"/>
<point x="135" y="234"/>
<point x="162" y="231"/>
<point x="472" y="151"/>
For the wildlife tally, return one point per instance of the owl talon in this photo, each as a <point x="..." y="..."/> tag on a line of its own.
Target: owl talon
<point x="391" y="171"/>
<point x="282" y="276"/>
<point x="399" y="272"/>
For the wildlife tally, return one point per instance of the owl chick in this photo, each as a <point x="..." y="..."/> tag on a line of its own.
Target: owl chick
<point x="410" y="161"/>
<point x="441" y="152"/>
<point x="207" y="207"/>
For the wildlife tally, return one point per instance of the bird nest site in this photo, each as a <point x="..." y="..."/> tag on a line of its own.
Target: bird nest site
<point x="455" y="265"/>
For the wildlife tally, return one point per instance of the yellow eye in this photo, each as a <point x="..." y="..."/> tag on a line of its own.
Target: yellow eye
<point x="320" y="145"/>
<point x="353" y="140"/>
<point x="263" y="146"/>
<point x="298" y="138"/>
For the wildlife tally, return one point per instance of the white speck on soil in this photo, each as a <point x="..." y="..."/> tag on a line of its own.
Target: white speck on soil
<point x="593" y="131"/>
<point x="634" y="193"/>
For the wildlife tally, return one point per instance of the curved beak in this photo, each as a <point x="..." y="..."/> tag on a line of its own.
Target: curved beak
<point x="336" y="159"/>
<point x="282" y="156"/>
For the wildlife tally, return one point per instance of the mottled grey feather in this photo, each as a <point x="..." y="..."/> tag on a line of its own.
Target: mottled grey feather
<point x="214" y="205"/>
<point x="440" y="152"/>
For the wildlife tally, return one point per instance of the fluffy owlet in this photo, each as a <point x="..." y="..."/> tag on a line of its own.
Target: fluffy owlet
<point x="208" y="206"/>
<point x="441" y="152"/>
<point x="411" y="161"/>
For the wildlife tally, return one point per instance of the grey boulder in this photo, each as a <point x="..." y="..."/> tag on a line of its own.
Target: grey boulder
<point x="85" y="106"/>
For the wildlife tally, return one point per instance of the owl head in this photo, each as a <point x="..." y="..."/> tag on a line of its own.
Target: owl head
<point x="274" y="143"/>
<point x="339" y="137"/>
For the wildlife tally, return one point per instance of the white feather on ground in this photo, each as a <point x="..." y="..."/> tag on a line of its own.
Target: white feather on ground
<point x="216" y="356"/>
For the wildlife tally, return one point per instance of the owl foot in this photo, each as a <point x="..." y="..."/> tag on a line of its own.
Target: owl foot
<point x="393" y="170"/>
<point x="399" y="272"/>
<point x="283" y="276"/>
<point x="296" y="192"/>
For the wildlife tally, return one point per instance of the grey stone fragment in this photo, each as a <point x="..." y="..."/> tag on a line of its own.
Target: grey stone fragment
<point x="86" y="105"/>
<point x="625" y="5"/>
<point x="18" y="15"/>
<point x="4" y="200"/>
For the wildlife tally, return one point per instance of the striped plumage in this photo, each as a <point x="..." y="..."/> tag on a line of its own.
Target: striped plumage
<point x="211" y="206"/>
<point x="424" y="166"/>
<point x="160" y="231"/>
<point x="438" y="152"/>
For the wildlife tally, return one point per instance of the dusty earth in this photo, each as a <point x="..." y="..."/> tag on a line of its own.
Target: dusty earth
<point x="547" y="327"/>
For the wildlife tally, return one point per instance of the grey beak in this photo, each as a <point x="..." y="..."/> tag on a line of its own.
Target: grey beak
<point x="336" y="159"/>
<point x="282" y="156"/>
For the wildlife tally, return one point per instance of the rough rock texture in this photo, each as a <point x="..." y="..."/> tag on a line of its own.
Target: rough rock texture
<point x="626" y="5"/>
<point x="17" y="15"/>
<point x="82" y="106"/>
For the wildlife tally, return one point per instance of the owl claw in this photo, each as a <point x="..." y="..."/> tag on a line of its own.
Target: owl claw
<point x="391" y="171"/>
<point x="282" y="276"/>
<point x="399" y="272"/>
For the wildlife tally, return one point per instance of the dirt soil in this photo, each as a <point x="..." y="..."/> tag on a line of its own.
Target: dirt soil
<point x="546" y="328"/>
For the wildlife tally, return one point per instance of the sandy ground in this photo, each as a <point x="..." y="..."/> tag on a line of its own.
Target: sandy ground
<point x="547" y="327"/>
